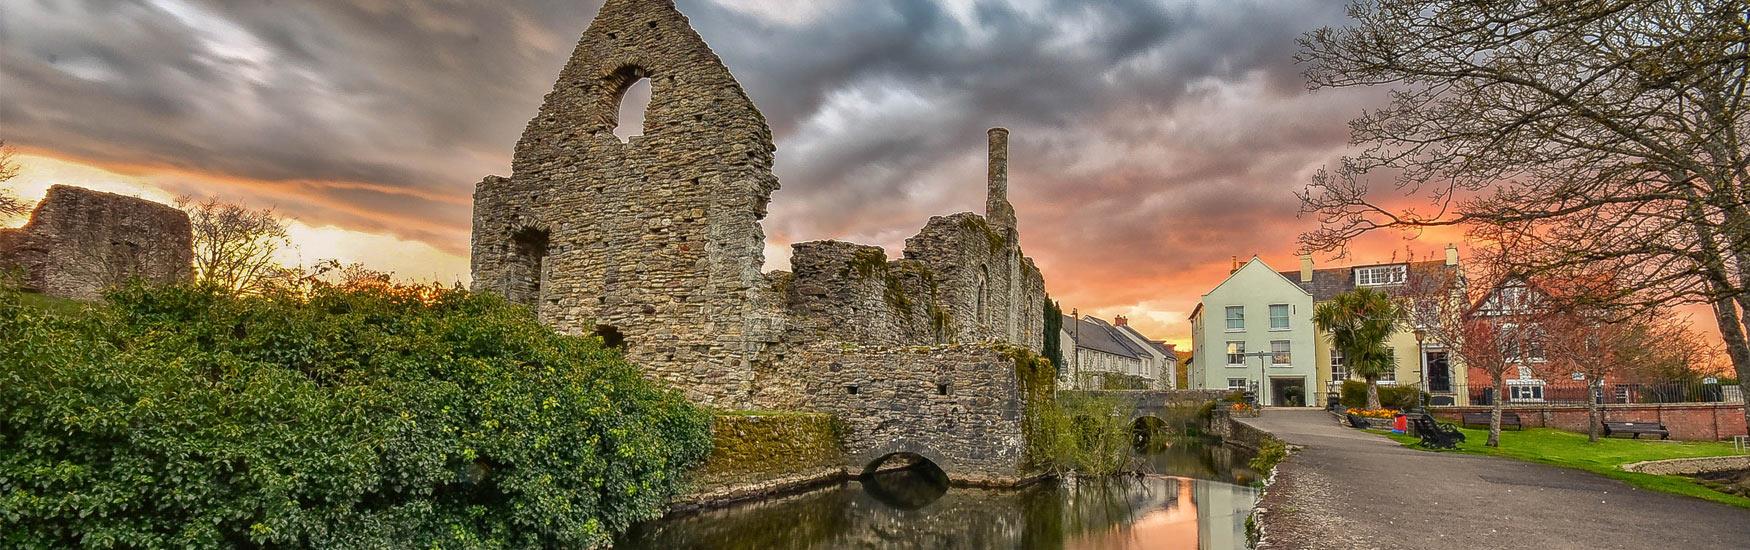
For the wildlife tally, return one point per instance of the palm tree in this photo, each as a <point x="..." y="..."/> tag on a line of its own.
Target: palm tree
<point x="1359" y="322"/>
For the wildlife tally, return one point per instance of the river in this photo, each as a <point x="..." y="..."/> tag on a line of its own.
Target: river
<point x="1196" y="495"/>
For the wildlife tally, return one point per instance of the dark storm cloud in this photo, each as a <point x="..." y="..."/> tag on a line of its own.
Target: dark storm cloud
<point x="1148" y="135"/>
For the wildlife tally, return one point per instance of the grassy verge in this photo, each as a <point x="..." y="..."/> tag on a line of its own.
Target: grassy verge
<point x="1571" y="450"/>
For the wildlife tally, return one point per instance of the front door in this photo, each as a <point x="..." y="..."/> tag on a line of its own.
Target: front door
<point x="1439" y="373"/>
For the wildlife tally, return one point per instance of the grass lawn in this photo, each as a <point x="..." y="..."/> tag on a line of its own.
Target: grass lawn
<point x="1571" y="450"/>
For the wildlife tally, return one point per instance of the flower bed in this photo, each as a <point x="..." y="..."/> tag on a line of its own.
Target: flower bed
<point x="1373" y="413"/>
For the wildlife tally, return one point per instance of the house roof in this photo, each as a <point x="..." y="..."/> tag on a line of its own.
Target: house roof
<point x="1255" y="260"/>
<point x="1099" y="336"/>
<point x="1327" y="283"/>
<point x="1150" y="348"/>
<point x="1165" y="349"/>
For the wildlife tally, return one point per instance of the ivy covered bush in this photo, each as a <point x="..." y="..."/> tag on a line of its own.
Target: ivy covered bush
<point x="355" y="416"/>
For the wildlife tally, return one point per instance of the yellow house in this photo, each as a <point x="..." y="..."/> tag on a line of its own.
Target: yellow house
<point x="1421" y="363"/>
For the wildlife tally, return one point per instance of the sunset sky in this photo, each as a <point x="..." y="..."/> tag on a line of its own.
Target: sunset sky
<point x="1152" y="140"/>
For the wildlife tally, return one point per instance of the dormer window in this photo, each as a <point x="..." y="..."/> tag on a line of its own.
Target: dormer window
<point x="1381" y="275"/>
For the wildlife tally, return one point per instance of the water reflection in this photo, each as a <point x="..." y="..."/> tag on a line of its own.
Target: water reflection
<point x="1197" y="497"/>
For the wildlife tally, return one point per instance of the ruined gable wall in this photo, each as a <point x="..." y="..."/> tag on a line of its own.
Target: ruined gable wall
<point x="658" y="238"/>
<point x="990" y="291"/>
<point x="79" y="241"/>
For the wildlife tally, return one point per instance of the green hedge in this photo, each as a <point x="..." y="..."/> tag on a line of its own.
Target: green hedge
<point x="1354" y="395"/>
<point x="373" y="416"/>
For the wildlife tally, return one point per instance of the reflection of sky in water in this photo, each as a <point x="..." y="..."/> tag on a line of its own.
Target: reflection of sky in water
<point x="1191" y="504"/>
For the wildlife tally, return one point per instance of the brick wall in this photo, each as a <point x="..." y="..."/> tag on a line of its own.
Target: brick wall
<point x="1686" y="421"/>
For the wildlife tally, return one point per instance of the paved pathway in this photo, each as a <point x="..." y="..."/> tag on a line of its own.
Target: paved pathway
<point x="1351" y="489"/>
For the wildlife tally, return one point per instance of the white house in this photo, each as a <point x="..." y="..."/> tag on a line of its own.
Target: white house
<point x="1254" y="331"/>
<point x="1101" y="356"/>
<point x="1158" y="356"/>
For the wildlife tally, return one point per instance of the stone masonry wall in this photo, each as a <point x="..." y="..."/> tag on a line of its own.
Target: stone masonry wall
<point x="655" y="241"/>
<point x="960" y="406"/>
<point x="79" y="241"/>
<point x="656" y="244"/>
<point x="755" y="454"/>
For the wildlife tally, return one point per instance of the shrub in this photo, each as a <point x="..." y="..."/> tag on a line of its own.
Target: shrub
<point x="1090" y="436"/>
<point x="1270" y="452"/>
<point x="1392" y="397"/>
<point x="366" y="416"/>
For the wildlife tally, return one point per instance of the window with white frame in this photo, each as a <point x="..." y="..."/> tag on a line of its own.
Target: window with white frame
<point x="1236" y="354"/>
<point x="1390" y="376"/>
<point x="1339" y="368"/>
<point x="1381" y="275"/>
<point x="1236" y="318"/>
<point x="1281" y="353"/>
<point x="1236" y="383"/>
<point x="1528" y="392"/>
<point x="1279" y="316"/>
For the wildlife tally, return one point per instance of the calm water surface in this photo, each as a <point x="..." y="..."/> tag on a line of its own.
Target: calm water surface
<point x="1197" y="496"/>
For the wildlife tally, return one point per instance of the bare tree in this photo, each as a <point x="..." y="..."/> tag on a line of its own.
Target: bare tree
<point x="1594" y="345"/>
<point x="1587" y="135"/>
<point x="234" y="246"/>
<point x="1483" y="328"/>
<point x="10" y="205"/>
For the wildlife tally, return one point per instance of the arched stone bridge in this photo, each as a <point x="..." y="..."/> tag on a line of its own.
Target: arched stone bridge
<point x="1160" y="404"/>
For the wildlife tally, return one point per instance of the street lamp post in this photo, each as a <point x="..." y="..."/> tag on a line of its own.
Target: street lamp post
<point x="1263" y="377"/>
<point x="1422" y="369"/>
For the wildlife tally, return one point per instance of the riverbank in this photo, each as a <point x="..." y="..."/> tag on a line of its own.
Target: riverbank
<point x="1344" y="488"/>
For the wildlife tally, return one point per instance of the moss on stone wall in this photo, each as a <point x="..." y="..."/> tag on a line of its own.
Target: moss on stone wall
<point x="996" y="239"/>
<point x="1038" y="380"/>
<point x="867" y="262"/>
<point x="756" y="446"/>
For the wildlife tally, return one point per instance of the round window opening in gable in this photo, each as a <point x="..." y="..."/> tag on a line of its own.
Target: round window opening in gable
<point x="634" y="102"/>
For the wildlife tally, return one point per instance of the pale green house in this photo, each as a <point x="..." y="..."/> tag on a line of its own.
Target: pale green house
<point x="1254" y="331"/>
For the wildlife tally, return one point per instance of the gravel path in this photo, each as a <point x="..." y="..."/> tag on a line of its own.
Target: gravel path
<point x="1350" y="489"/>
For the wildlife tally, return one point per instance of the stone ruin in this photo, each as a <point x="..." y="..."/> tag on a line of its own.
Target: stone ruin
<point x="655" y="245"/>
<point x="79" y="242"/>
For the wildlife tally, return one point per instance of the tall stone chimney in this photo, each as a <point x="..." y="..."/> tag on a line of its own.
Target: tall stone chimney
<point x="1451" y="255"/>
<point x="1306" y="268"/>
<point x="997" y="209"/>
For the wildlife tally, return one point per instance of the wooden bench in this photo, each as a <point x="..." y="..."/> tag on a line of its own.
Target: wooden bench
<point x="1637" y="428"/>
<point x="1482" y="419"/>
<point x="1434" y="434"/>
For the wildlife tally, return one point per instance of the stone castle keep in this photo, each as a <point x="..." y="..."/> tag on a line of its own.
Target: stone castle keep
<point x="655" y="245"/>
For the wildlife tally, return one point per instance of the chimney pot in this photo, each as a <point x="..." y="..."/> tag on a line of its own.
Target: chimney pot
<point x="1120" y="321"/>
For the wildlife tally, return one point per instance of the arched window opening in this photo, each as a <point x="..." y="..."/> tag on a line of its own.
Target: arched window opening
<point x="634" y="102"/>
<point x="527" y="266"/>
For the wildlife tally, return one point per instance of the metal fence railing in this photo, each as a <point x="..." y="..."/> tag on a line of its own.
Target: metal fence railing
<point x="1574" y="392"/>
